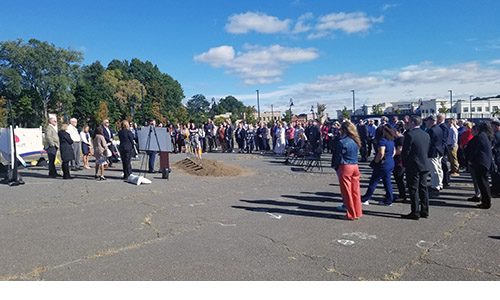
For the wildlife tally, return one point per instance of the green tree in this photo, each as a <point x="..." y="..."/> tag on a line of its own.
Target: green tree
<point x="219" y="120"/>
<point x="181" y="114"/>
<point x="345" y="114"/>
<point x="286" y="116"/>
<point x="321" y="111"/>
<point x="3" y="112"/>
<point x="198" y="108"/>
<point x="40" y="67"/>
<point x="443" y="109"/>
<point x="376" y="110"/>
<point x="250" y="115"/>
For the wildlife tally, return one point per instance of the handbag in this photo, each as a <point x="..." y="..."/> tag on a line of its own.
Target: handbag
<point x="108" y="153"/>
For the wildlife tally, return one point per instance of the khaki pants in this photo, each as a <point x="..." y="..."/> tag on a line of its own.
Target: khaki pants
<point x="452" y="158"/>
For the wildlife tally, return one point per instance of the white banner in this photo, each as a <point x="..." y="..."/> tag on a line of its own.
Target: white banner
<point x="29" y="141"/>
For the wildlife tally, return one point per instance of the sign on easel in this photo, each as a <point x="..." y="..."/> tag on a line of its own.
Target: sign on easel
<point x="151" y="134"/>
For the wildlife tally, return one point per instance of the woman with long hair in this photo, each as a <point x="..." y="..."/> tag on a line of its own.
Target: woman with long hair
<point x="382" y="164"/>
<point x="126" y="148"/>
<point x="86" y="146"/>
<point x="100" y="147"/>
<point x="346" y="164"/>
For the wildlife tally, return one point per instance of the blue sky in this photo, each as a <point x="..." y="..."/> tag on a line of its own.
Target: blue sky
<point x="311" y="51"/>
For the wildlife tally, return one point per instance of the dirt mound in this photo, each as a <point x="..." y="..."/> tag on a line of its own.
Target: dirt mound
<point x="211" y="168"/>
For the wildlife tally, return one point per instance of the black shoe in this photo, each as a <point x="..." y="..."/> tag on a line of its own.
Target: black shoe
<point x="424" y="215"/>
<point x="69" y="177"/>
<point x="483" y="206"/>
<point x="410" y="216"/>
<point x="474" y="199"/>
<point x="151" y="171"/>
<point x="434" y="190"/>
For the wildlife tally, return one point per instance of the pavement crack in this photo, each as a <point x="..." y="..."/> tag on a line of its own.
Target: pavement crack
<point x="474" y="270"/>
<point x="397" y="274"/>
<point x="316" y="259"/>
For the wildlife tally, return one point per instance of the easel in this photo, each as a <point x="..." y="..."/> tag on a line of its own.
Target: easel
<point x="14" y="178"/>
<point x="148" y="146"/>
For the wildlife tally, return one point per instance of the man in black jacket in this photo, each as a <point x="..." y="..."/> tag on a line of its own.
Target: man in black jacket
<point x="495" y="174"/>
<point x="109" y="135"/>
<point x="414" y="157"/>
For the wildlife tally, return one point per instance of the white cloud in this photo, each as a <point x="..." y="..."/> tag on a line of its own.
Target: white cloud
<point x="495" y="62"/>
<point x="301" y="25"/>
<point x="425" y="80"/>
<point x="347" y="22"/>
<point x="388" y="6"/>
<point x="258" y="22"/>
<point x="257" y="64"/>
<point x="217" y="57"/>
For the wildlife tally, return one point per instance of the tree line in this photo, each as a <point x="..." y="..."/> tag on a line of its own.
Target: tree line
<point x="40" y="78"/>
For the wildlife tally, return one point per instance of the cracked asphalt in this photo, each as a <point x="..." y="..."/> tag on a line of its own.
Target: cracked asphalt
<point x="275" y="223"/>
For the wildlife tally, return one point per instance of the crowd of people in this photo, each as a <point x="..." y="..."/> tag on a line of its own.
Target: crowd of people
<point x="413" y="151"/>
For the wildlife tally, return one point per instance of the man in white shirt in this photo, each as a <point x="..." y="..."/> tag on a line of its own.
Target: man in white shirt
<point x="75" y="136"/>
<point x="452" y="145"/>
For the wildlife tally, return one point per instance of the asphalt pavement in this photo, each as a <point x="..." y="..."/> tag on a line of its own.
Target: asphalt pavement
<point x="277" y="222"/>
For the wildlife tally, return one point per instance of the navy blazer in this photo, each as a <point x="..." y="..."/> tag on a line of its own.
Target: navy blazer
<point x="126" y="140"/>
<point x="106" y="135"/>
<point x="478" y="151"/>
<point x="437" y="146"/>
<point x="415" y="150"/>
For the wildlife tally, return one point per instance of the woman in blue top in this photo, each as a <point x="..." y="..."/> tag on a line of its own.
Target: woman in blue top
<point x="383" y="164"/>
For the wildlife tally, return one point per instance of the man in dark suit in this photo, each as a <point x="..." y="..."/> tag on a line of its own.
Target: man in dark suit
<point x="363" y="136"/>
<point x="229" y="136"/>
<point x="314" y="135"/>
<point x="436" y="151"/>
<point x="414" y="157"/>
<point x="444" y="166"/>
<point x="109" y="134"/>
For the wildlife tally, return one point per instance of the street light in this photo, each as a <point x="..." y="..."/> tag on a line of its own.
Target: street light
<point x="272" y="113"/>
<point x="258" y="104"/>
<point x="470" y="105"/>
<point x="291" y="104"/>
<point x="353" y="103"/>
<point x="312" y="111"/>
<point x="451" y="101"/>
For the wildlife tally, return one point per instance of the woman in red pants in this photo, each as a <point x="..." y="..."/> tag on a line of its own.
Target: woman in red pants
<point x="346" y="164"/>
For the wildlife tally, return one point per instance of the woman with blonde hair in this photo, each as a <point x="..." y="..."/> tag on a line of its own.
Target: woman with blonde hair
<point x="346" y="164"/>
<point x="126" y="148"/>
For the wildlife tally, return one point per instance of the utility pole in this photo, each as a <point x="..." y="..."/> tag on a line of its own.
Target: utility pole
<point x="451" y="101"/>
<point x="353" y="103"/>
<point x="258" y="104"/>
<point x="272" y="113"/>
<point x="142" y="104"/>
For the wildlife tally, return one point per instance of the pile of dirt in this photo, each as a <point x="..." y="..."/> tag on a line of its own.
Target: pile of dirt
<point x="211" y="168"/>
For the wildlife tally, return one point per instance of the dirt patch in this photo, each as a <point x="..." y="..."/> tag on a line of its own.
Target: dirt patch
<point x="210" y="168"/>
